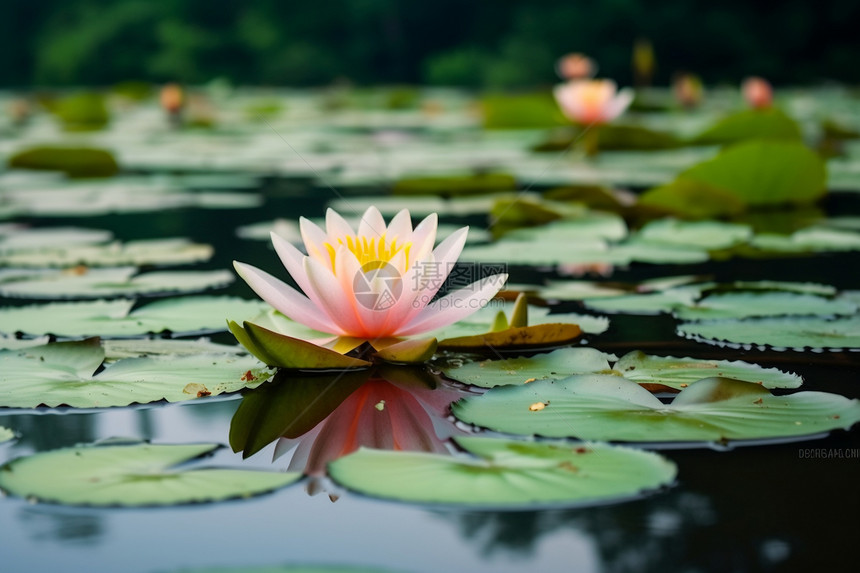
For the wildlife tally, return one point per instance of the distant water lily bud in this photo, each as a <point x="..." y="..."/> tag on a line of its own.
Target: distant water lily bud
<point x="575" y="67"/>
<point x="644" y="62"/>
<point x="757" y="92"/>
<point x="172" y="98"/>
<point x="688" y="90"/>
<point x="592" y="101"/>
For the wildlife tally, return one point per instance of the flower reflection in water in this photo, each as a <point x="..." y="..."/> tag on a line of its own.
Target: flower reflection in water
<point x="322" y="418"/>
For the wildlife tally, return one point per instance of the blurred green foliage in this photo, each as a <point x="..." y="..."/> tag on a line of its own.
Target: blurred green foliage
<point x="84" y="111"/>
<point x="73" y="161"/>
<point x="484" y="43"/>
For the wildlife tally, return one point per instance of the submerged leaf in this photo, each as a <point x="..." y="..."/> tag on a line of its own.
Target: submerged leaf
<point x="131" y="475"/>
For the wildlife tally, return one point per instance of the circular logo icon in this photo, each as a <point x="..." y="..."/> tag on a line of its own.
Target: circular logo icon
<point x="377" y="285"/>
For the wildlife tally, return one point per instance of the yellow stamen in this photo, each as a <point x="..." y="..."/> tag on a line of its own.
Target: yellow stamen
<point x="370" y="251"/>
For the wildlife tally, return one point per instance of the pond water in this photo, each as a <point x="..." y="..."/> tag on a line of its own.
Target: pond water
<point x="781" y="506"/>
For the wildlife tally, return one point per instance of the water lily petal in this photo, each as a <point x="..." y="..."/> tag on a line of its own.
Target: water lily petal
<point x="293" y="260"/>
<point x="337" y="303"/>
<point x="372" y="224"/>
<point x="400" y="228"/>
<point x="286" y="299"/>
<point x="619" y="103"/>
<point x="424" y="237"/>
<point x="314" y="239"/>
<point x="455" y="306"/>
<point x="336" y="226"/>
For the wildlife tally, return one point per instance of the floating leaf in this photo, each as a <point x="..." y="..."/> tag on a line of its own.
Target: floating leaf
<point x="788" y="332"/>
<point x="710" y="235"/>
<point x="62" y="374"/>
<point x="145" y="252"/>
<point x="478" y="184"/>
<point x="413" y="351"/>
<point x="115" y="318"/>
<point x="611" y="408"/>
<point x="521" y="111"/>
<point x="21" y="238"/>
<point x="678" y="373"/>
<point x="555" y="365"/>
<point x="509" y="474"/>
<point x="137" y="347"/>
<point x="771" y="123"/>
<point x="276" y="349"/>
<point x="536" y="336"/>
<point x="577" y="290"/>
<point x="73" y="161"/>
<point x="811" y="239"/>
<point x="647" y="303"/>
<point x="131" y="475"/>
<point x="83" y="283"/>
<point x="743" y="305"/>
<point x="755" y="173"/>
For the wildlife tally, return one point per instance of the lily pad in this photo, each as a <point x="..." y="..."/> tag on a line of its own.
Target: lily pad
<point x="84" y="283"/>
<point x="62" y="373"/>
<point x="770" y="123"/>
<point x="536" y="336"/>
<point x="755" y="173"/>
<point x="478" y="184"/>
<point x="73" y="161"/>
<point x="811" y="239"/>
<point x="115" y="318"/>
<point x="144" y="252"/>
<point x="132" y="475"/>
<point x="138" y="347"/>
<point x="679" y="373"/>
<point x="554" y="365"/>
<point x="276" y="349"/>
<point x="647" y="303"/>
<point x="505" y="473"/>
<point x="15" y="238"/>
<point x="785" y="332"/>
<point x="745" y="304"/>
<point x="710" y="235"/>
<point x="413" y="351"/>
<point x="611" y="408"/>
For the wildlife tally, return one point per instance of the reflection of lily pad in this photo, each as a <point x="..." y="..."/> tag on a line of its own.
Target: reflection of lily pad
<point x="505" y="474"/>
<point x="679" y="373"/>
<point x="131" y="475"/>
<point x="555" y="365"/>
<point x="595" y="407"/>
<point x="115" y="318"/>
<point x="62" y="374"/>
<point x="785" y="332"/>
<point x="82" y="283"/>
<point x="744" y="304"/>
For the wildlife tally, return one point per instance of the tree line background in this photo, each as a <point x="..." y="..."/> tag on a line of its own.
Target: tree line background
<point x="478" y="43"/>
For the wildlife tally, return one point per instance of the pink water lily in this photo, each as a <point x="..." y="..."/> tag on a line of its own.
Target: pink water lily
<point x="757" y="92"/>
<point x="592" y="101"/>
<point x="376" y="282"/>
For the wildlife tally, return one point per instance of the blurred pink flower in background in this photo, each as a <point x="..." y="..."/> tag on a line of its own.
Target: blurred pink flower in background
<point x="757" y="92"/>
<point x="592" y="101"/>
<point x="575" y="67"/>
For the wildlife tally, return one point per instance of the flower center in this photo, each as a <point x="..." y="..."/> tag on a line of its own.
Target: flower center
<point x="370" y="251"/>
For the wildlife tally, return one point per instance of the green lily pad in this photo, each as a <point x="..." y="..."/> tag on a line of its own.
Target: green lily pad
<point x="755" y="173"/>
<point x="276" y="349"/>
<point x="115" y="318"/>
<point x="611" y="408"/>
<point x="505" y="473"/>
<point x="478" y="184"/>
<point x="678" y="373"/>
<point x="145" y="252"/>
<point x="521" y="111"/>
<point x="6" y="434"/>
<point x="554" y="365"/>
<point x="84" y="111"/>
<point x="647" y="303"/>
<point x="770" y="123"/>
<point x="138" y="347"/>
<point x="414" y="351"/>
<point x="709" y="235"/>
<point x="745" y="304"/>
<point x="132" y="475"/>
<point x="73" y="161"/>
<point x="83" y="283"/>
<point x="785" y="332"/>
<point x="577" y="290"/>
<point x="811" y="239"/>
<point x="62" y="374"/>
<point x="536" y="336"/>
<point x="17" y="238"/>
<point x="11" y="342"/>
<point x="616" y="137"/>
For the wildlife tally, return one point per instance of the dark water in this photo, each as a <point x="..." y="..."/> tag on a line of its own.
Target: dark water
<point x="779" y="507"/>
